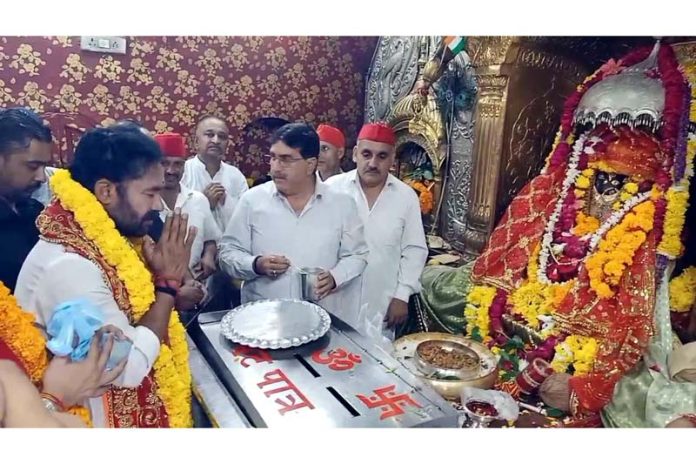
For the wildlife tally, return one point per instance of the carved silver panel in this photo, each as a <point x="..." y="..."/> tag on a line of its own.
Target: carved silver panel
<point x="392" y="75"/>
<point x="457" y="94"/>
<point x="395" y="68"/>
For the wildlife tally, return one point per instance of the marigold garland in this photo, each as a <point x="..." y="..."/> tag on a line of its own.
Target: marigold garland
<point x="425" y="196"/>
<point x="576" y="351"/>
<point x="615" y="252"/>
<point x="682" y="291"/>
<point x="534" y="299"/>
<point x="26" y="341"/>
<point x="171" y="367"/>
<point x="478" y="303"/>
<point x="585" y="224"/>
<point x="677" y="203"/>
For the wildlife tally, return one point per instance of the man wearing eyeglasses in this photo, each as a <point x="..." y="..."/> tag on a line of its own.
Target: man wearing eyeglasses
<point x="296" y="222"/>
<point x="208" y="173"/>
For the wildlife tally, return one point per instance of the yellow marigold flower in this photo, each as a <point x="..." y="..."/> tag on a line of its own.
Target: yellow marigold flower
<point x="582" y="182"/>
<point x="682" y="290"/>
<point x="631" y="187"/>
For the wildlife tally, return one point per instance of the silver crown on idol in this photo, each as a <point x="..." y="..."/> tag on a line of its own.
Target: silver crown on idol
<point x="630" y="97"/>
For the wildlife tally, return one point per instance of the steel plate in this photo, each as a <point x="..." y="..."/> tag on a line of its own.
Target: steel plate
<point x="273" y="324"/>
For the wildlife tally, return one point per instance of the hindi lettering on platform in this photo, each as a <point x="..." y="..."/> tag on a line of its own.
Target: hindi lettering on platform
<point x="248" y="353"/>
<point x="338" y="359"/>
<point x="289" y="402"/>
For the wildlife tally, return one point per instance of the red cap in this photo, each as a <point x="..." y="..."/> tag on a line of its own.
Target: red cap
<point x="378" y="132"/>
<point x="332" y="135"/>
<point x="172" y="144"/>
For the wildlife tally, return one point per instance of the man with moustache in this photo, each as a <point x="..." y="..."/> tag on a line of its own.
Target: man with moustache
<point x="25" y="150"/>
<point x="208" y="173"/>
<point x="195" y="204"/>
<point x="296" y="222"/>
<point x="203" y="262"/>
<point x="393" y="229"/>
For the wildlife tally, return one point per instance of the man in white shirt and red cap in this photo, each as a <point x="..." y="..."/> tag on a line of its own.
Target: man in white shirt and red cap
<point x="208" y="173"/>
<point x="195" y="204"/>
<point x="393" y="230"/>
<point x="332" y="148"/>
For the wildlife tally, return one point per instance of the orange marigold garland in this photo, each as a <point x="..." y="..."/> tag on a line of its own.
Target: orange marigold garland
<point x="18" y="331"/>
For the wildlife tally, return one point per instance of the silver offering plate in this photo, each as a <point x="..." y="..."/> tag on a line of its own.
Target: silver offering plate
<point x="273" y="324"/>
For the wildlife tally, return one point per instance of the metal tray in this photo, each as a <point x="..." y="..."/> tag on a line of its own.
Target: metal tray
<point x="405" y="352"/>
<point x="273" y="324"/>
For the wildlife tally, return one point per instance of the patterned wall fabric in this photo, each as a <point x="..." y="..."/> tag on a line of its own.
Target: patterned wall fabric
<point x="167" y="83"/>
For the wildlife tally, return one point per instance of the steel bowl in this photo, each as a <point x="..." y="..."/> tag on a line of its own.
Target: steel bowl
<point x="404" y="350"/>
<point x="441" y="372"/>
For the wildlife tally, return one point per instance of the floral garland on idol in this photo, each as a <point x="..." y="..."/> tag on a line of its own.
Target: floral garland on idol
<point x="607" y="248"/>
<point x="171" y="368"/>
<point x="18" y="331"/>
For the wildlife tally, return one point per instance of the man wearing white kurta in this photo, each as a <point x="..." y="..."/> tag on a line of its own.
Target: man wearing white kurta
<point x="195" y="204"/>
<point x="54" y="273"/>
<point x="296" y="222"/>
<point x="222" y="183"/>
<point x="393" y="229"/>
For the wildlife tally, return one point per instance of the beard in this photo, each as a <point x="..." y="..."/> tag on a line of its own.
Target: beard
<point x="129" y="224"/>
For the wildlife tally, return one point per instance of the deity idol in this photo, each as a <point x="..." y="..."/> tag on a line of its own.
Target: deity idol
<point x="577" y="271"/>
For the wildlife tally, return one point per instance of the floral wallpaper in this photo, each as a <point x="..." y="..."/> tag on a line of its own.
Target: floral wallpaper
<point x="167" y="83"/>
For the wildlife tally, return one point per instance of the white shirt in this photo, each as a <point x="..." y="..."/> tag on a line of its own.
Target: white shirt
<point x="396" y="239"/>
<point x="196" y="205"/>
<point x="328" y="234"/>
<point x="51" y="276"/>
<point x="197" y="178"/>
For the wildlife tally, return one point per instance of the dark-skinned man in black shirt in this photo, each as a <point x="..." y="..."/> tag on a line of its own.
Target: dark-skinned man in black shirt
<point x="25" y="150"/>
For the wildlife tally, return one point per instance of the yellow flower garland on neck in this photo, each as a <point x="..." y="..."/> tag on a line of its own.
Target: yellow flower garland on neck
<point x="26" y="341"/>
<point x="171" y="367"/>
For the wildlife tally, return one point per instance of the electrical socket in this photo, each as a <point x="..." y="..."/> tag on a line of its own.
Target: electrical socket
<point x="103" y="44"/>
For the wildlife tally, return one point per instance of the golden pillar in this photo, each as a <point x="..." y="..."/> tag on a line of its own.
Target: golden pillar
<point x="521" y="88"/>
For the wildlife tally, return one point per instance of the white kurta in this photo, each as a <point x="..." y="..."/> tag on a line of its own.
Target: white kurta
<point x="51" y="276"/>
<point x="396" y="239"/>
<point x="328" y="234"/>
<point x="197" y="178"/>
<point x="196" y="205"/>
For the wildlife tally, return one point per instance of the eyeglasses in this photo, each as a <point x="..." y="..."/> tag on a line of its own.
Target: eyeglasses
<point x="283" y="160"/>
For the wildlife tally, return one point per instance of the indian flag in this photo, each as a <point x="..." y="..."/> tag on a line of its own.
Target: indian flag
<point x="455" y="43"/>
